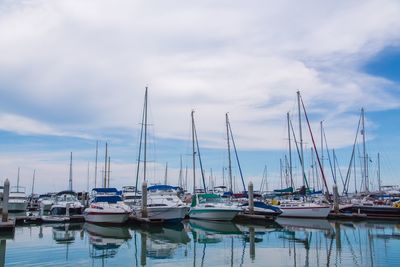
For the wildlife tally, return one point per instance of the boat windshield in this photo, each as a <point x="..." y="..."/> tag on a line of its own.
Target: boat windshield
<point x="211" y="200"/>
<point x="66" y="198"/>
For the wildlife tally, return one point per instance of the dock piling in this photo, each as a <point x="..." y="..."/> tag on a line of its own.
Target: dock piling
<point x="144" y="199"/>
<point x="251" y="199"/>
<point x="6" y="193"/>
<point x="335" y="199"/>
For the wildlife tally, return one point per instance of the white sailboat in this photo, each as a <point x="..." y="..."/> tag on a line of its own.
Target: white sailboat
<point x="162" y="201"/>
<point x="304" y="209"/>
<point x="208" y="206"/>
<point x="212" y="207"/>
<point x="164" y="204"/>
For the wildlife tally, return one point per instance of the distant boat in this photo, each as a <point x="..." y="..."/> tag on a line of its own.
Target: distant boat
<point x="212" y="207"/>
<point x="66" y="203"/>
<point x="130" y="196"/>
<point x="106" y="206"/>
<point x="17" y="201"/>
<point x="45" y="202"/>
<point x="303" y="209"/>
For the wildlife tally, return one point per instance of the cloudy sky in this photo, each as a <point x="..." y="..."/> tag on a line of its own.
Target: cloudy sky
<point x="73" y="72"/>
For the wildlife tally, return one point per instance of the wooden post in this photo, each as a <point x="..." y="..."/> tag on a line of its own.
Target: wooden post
<point x="144" y="199"/>
<point x="252" y="243"/>
<point x="251" y="199"/>
<point x="6" y="193"/>
<point x="335" y="199"/>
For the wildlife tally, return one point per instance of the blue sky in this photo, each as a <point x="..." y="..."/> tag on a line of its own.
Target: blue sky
<point x="73" y="72"/>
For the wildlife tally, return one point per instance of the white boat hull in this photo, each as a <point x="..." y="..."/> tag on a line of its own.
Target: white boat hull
<point x="305" y="212"/>
<point x="105" y="217"/>
<point x="213" y="214"/>
<point x="17" y="206"/>
<point x="166" y="213"/>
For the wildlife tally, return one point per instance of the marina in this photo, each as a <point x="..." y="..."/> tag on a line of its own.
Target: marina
<point x="199" y="133"/>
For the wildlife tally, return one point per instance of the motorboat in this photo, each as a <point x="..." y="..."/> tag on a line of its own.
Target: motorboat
<point x="164" y="204"/>
<point x="107" y="206"/>
<point x="304" y="209"/>
<point x="130" y="196"/>
<point x="212" y="207"/>
<point x="17" y="200"/>
<point x="66" y="203"/>
<point x="45" y="202"/>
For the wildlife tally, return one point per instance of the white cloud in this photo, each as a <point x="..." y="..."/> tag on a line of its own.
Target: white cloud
<point x="80" y="67"/>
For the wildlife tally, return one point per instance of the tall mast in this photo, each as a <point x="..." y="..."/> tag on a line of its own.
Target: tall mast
<point x="166" y="174"/>
<point x="229" y="153"/>
<point x="70" y="173"/>
<point x="18" y="179"/>
<point x="145" y="136"/>
<point x="334" y="164"/>
<point x="301" y="139"/>
<point x="140" y="144"/>
<point x="290" y="151"/>
<point x="186" y="175"/>
<point x="364" y="152"/>
<point x="33" y="181"/>
<point x="180" y="183"/>
<point x="95" y="166"/>
<point x="105" y="167"/>
<point x="316" y="152"/>
<point x="87" y="181"/>
<point x="194" y="155"/>
<point x="109" y="171"/>
<point x="280" y="169"/>
<point x="322" y="144"/>
<point x="379" y="172"/>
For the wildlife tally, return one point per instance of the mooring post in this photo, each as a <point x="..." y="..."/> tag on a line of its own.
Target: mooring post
<point x="67" y="209"/>
<point x="335" y="199"/>
<point x="252" y="233"/>
<point x="6" y="193"/>
<point x="144" y="200"/>
<point x="251" y="198"/>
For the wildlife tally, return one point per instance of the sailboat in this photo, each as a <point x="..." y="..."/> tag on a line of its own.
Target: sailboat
<point x="208" y="206"/>
<point x="65" y="204"/>
<point x="303" y="208"/>
<point x="162" y="200"/>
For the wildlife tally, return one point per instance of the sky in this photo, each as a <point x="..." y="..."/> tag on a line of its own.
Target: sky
<point x="74" y="72"/>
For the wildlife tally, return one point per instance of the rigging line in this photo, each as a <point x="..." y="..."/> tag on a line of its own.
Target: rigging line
<point x="298" y="153"/>
<point x="315" y="148"/>
<point x="237" y="157"/>
<point x="329" y="156"/>
<point x="198" y="153"/>
<point x="340" y="172"/>
<point x="347" y="182"/>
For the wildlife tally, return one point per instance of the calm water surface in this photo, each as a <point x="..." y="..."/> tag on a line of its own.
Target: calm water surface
<point x="289" y="242"/>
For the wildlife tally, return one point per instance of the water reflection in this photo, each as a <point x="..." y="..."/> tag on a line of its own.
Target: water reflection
<point x="290" y="242"/>
<point x="105" y="240"/>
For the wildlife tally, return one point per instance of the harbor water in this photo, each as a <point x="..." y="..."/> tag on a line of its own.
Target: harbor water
<point x="287" y="242"/>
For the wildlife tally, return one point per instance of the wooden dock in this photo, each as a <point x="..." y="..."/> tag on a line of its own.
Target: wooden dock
<point x="7" y="226"/>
